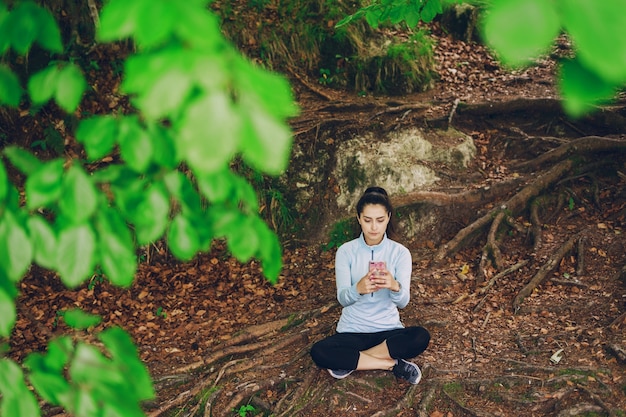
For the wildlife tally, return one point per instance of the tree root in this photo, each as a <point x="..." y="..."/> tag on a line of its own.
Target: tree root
<point x="405" y="402"/>
<point x="491" y="251"/>
<point x="513" y="206"/>
<point x="547" y="267"/>
<point x="467" y="198"/>
<point x="258" y="338"/>
<point x="580" y="146"/>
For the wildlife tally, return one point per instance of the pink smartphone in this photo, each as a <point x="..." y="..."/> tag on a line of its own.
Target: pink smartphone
<point x="379" y="265"/>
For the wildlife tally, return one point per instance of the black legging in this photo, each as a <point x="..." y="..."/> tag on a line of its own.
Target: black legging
<point x="341" y="350"/>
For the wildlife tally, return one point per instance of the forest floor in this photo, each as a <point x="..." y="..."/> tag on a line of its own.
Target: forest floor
<point x="558" y="354"/>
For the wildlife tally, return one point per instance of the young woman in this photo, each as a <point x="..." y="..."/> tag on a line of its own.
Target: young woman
<point x="370" y="334"/>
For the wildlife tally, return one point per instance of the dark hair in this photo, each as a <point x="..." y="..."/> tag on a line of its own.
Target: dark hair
<point x="378" y="195"/>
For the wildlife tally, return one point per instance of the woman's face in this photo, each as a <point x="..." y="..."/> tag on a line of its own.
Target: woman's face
<point x="373" y="220"/>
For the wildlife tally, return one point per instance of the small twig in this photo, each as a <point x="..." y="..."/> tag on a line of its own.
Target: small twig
<point x="485" y="322"/>
<point x="580" y="252"/>
<point x="474" y="348"/>
<point x="618" y="321"/>
<point x="367" y="400"/>
<point x="571" y="282"/>
<point x="535" y="222"/>
<point x="453" y="111"/>
<point x="93" y="11"/>
<point x="222" y="371"/>
<point x="502" y="274"/>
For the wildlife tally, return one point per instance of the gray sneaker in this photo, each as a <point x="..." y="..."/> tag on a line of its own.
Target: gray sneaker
<point x="340" y="373"/>
<point x="407" y="371"/>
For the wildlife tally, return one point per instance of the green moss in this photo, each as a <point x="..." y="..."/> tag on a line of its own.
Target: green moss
<point x="342" y="232"/>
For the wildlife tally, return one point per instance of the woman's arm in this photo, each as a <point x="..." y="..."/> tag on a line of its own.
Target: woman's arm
<point x="347" y="293"/>
<point x="402" y="274"/>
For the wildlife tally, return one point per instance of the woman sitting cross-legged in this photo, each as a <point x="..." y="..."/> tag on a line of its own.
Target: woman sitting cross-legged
<point x="373" y="275"/>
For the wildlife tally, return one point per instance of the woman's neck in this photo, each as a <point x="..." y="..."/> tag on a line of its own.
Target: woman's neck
<point x="371" y="243"/>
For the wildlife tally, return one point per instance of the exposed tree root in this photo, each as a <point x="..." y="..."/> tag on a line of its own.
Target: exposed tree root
<point x="513" y="205"/>
<point x="263" y="341"/>
<point x="547" y="267"/>
<point x="405" y="402"/>
<point x="491" y="251"/>
<point x="580" y="146"/>
<point x="472" y="197"/>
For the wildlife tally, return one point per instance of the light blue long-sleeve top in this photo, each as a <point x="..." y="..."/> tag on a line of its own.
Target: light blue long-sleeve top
<point x="367" y="313"/>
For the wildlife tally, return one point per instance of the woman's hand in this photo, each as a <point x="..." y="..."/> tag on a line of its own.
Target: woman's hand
<point x="375" y="280"/>
<point x="384" y="279"/>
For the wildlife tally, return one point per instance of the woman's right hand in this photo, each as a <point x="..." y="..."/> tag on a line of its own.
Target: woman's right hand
<point x="366" y="285"/>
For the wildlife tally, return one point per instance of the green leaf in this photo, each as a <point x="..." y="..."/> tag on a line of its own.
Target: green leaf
<point x="582" y="89"/>
<point x="156" y="22"/>
<point x="412" y="16"/>
<point x="23" y="160"/>
<point x="164" y="149"/>
<point x="16" y="251"/>
<point x="70" y="87"/>
<point x="55" y="359"/>
<point x="4" y="38"/>
<point x="151" y="215"/>
<point x="200" y="28"/>
<point x="43" y="240"/>
<point x="166" y="95"/>
<point x="181" y="188"/>
<point x="10" y="88"/>
<point x="76" y="254"/>
<point x="86" y="403"/>
<point x="241" y="243"/>
<point x="98" y="134"/>
<point x="135" y="144"/>
<point x="265" y="100"/>
<point x="91" y="368"/>
<point x="23" y="27"/>
<point x="16" y="399"/>
<point x="124" y="354"/>
<point x="78" y="319"/>
<point x="118" y="20"/>
<point x="266" y="142"/>
<point x="431" y="9"/>
<point x="44" y="186"/>
<point x="520" y="30"/>
<point x="52" y="387"/>
<point x="597" y="31"/>
<point x="42" y="85"/>
<point x="7" y="311"/>
<point x="79" y="199"/>
<point x="373" y="18"/>
<point x="217" y="187"/>
<point x="270" y="251"/>
<point x="265" y="89"/>
<point x="182" y="238"/>
<point x="117" y="256"/>
<point x="210" y="133"/>
<point x="49" y="35"/>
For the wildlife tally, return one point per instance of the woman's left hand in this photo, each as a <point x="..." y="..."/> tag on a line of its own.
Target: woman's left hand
<point x="384" y="279"/>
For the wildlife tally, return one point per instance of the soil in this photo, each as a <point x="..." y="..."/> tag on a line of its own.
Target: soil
<point x="210" y="331"/>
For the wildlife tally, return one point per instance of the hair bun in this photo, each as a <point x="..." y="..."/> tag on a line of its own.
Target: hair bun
<point x="379" y="190"/>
